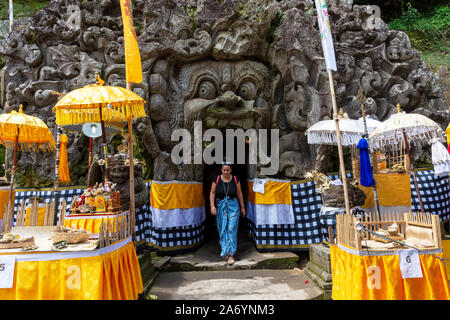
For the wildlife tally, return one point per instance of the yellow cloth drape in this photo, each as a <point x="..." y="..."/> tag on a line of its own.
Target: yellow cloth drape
<point x="378" y="277"/>
<point x="90" y="223"/>
<point x="446" y="249"/>
<point x="392" y="190"/>
<point x="4" y="200"/>
<point x="41" y="216"/>
<point x="63" y="169"/>
<point x="275" y="192"/>
<point x="167" y="196"/>
<point x="447" y="131"/>
<point x="111" y="276"/>
<point x="133" y="65"/>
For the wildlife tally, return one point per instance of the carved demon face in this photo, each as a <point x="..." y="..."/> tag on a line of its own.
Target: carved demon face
<point x="227" y="94"/>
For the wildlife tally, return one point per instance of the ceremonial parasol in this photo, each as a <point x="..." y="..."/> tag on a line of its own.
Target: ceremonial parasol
<point x="371" y="124"/>
<point x="406" y="127"/>
<point x="324" y="132"/>
<point x="91" y="130"/>
<point x="24" y="132"/>
<point x="101" y="104"/>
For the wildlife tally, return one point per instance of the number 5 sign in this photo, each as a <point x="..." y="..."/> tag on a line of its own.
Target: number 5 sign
<point x="410" y="264"/>
<point x="7" y="264"/>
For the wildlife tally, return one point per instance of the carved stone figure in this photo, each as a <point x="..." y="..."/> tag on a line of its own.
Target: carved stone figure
<point x="228" y="63"/>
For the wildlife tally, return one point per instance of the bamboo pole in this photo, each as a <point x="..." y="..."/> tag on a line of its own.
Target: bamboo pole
<point x="413" y="170"/>
<point x="11" y="15"/>
<point x="131" y="160"/>
<point x="11" y="185"/>
<point x="105" y="147"/>
<point x="339" y="142"/>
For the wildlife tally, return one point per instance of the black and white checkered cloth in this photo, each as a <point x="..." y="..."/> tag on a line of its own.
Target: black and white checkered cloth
<point x="435" y="193"/>
<point x="47" y="195"/>
<point x="311" y="225"/>
<point x="174" y="239"/>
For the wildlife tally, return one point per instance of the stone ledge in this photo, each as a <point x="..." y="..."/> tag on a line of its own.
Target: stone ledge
<point x="319" y="271"/>
<point x="322" y="284"/>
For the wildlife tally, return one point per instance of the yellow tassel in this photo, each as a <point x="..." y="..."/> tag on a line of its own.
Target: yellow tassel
<point x="63" y="170"/>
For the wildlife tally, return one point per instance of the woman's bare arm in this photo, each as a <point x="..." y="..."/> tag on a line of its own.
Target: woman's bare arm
<point x="212" y="196"/>
<point x="241" y="198"/>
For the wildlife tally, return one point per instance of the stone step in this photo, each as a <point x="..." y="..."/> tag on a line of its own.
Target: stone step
<point x="289" y="284"/>
<point x="324" y="286"/>
<point x="319" y="271"/>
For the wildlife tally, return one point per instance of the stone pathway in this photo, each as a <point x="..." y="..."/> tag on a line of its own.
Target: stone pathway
<point x="204" y="275"/>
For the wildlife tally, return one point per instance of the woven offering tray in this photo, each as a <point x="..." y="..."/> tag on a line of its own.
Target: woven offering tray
<point x="19" y="243"/>
<point x="70" y="235"/>
<point x="398" y="237"/>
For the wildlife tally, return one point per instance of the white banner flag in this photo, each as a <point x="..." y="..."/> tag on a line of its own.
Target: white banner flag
<point x="325" y="34"/>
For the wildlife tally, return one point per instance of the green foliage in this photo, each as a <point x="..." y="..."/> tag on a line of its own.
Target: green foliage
<point x="432" y="27"/>
<point x="275" y="23"/>
<point x="116" y="141"/>
<point x="21" y="8"/>
<point x="392" y="9"/>
<point x="141" y="153"/>
<point x="78" y="173"/>
<point x="428" y="32"/>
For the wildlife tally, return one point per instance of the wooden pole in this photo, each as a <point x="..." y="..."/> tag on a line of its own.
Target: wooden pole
<point x="413" y="170"/>
<point x="131" y="160"/>
<point x="56" y="183"/>
<point x="338" y="135"/>
<point x="11" y="15"/>
<point x="11" y="186"/>
<point x="105" y="147"/>
<point x="90" y="154"/>
<point x="374" y="187"/>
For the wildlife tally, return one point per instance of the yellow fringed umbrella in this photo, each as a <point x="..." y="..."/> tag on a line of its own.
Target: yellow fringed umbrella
<point x="101" y="104"/>
<point x="24" y="132"/>
<point x="96" y="103"/>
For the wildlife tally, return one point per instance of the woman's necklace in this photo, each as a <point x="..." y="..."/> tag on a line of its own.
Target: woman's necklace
<point x="227" y="190"/>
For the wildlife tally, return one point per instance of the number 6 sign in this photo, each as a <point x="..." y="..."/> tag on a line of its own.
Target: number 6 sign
<point x="410" y="264"/>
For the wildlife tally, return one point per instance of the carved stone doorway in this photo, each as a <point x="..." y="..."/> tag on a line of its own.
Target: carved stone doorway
<point x="209" y="173"/>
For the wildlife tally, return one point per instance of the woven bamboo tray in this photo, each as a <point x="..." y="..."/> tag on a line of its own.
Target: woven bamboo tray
<point x="400" y="237"/>
<point x="14" y="245"/>
<point x="75" y="237"/>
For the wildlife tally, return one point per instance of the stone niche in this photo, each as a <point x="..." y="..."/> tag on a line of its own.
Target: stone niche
<point x="228" y="63"/>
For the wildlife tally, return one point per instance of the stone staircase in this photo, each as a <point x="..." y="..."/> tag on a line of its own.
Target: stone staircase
<point x="255" y="275"/>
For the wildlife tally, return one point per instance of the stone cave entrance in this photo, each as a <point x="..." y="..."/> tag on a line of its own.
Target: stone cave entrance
<point x="210" y="172"/>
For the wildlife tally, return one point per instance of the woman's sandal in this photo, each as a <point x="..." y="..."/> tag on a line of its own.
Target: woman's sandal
<point x="230" y="264"/>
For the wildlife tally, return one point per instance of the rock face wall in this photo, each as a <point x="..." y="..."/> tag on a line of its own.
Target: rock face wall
<point x="229" y="63"/>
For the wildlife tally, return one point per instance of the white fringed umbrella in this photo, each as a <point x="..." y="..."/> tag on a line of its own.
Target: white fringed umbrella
<point x="372" y="124"/>
<point x="417" y="127"/>
<point x="440" y="158"/>
<point x="324" y="132"/>
<point x="407" y="127"/>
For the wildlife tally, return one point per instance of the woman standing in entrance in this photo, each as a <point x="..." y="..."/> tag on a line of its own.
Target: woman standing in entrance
<point x="225" y="192"/>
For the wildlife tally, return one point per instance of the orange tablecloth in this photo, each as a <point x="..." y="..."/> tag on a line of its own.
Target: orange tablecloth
<point x="91" y="223"/>
<point x="360" y="276"/>
<point x="110" y="273"/>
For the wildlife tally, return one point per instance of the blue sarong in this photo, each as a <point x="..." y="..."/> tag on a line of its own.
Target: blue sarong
<point x="227" y="225"/>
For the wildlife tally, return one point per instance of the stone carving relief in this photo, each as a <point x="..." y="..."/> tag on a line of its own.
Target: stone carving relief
<point x="229" y="63"/>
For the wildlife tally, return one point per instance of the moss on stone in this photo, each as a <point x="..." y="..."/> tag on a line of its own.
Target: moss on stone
<point x="274" y="24"/>
<point x="30" y="179"/>
<point x="190" y="12"/>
